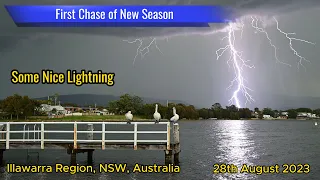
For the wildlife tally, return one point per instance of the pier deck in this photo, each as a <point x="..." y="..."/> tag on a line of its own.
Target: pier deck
<point x="18" y="135"/>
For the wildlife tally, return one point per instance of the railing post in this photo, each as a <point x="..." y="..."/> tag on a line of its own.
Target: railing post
<point x="176" y="143"/>
<point x="8" y="136"/>
<point x="28" y="133"/>
<point x="2" y="129"/>
<point x="90" y="134"/>
<point x="176" y="133"/>
<point x="34" y="132"/>
<point x="135" y="136"/>
<point x="42" y="135"/>
<point x="168" y="136"/>
<point x="90" y="137"/>
<point x="75" y="135"/>
<point x="38" y="133"/>
<point x="103" y="135"/>
<point x="24" y="131"/>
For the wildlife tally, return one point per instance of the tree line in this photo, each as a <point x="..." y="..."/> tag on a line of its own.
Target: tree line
<point x="136" y="105"/>
<point x="19" y="106"/>
<point x="23" y="106"/>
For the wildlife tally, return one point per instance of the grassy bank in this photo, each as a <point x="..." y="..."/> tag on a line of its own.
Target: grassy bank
<point x="77" y="118"/>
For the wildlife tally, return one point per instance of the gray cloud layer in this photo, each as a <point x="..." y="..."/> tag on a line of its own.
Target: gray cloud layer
<point x="186" y="70"/>
<point x="241" y="8"/>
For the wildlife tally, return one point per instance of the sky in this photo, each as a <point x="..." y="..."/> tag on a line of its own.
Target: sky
<point x="185" y="69"/>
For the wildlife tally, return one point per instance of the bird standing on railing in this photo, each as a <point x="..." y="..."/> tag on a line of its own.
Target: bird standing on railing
<point x="175" y="116"/>
<point x="129" y="117"/>
<point x="156" y="115"/>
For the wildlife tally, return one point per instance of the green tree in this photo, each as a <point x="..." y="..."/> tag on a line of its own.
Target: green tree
<point x="292" y="114"/>
<point x="225" y="114"/>
<point x="217" y="113"/>
<point x="127" y="103"/>
<point x="276" y="113"/>
<point x="268" y="111"/>
<point x="54" y="111"/>
<point x="148" y="110"/>
<point x="12" y="105"/>
<point x="203" y="113"/>
<point x="30" y="106"/>
<point x="307" y="110"/>
<point x="113" y="107"/>
<point x="166" y="112"/>
<point x="216" y="106"/>
<point x="69" y="104"/>
<point x="17" y="105"/>
<point x="234" y="116"/>
<point x="137" y="103"/>
<point x="191" y="112"/>
<point x="316" y="111"/>
<point x="44" y="101"/>
<point x="181" y="110"/>
<point x="232" y="108"/>
<point x="244" y="113"/>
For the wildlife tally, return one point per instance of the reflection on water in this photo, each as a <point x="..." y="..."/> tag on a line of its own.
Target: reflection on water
<point x="235" y="146"/>
<point x="42" y="176"/>
<point x="6" y="176"/>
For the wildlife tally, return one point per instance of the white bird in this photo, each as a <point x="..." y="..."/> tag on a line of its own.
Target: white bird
<point x="156" y="115"/>
<point x="175" y="116"/>
<point x="129" y="117"/>
<point x="315" y="123"/>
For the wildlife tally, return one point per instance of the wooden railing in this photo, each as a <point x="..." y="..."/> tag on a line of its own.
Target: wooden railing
<point x="39" y="133"/>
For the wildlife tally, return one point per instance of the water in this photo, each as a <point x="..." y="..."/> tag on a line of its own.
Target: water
<point x="203" y="144"/>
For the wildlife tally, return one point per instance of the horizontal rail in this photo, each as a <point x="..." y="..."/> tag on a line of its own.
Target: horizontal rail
<point x="39" y="133"/>
<point x="97" y="132"/>
<point x="80" y="122"/>
<point x="84" y="140"/>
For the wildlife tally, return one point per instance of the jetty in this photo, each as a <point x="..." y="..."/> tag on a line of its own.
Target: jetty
<point x="85" y="137"/>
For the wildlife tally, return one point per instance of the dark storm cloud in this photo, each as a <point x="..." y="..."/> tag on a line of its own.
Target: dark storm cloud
<point x="240" y="8"/>
<point x="186" y="70"/>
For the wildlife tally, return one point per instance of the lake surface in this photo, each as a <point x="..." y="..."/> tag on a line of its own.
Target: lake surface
<point x="204" y="143"/>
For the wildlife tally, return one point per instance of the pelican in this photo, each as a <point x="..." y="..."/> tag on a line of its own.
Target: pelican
<point x="129" y="117"/>
<point x="175" y="116"/>
<point x="156" y="115"/>
<point x="315" y="123"/>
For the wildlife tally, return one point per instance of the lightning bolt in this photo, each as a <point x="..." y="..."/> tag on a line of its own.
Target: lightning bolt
<point x="301" y="58"/>
<point x="142" y="51"/>
<point x="236" y="61"/>
<point x="255" y="25"/>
